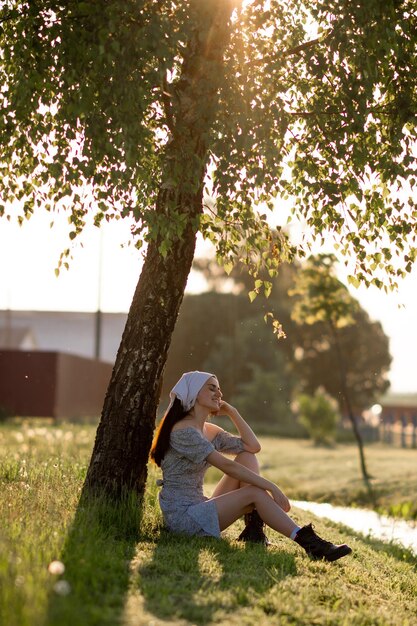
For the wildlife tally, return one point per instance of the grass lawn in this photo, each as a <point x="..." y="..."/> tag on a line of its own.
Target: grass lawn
<point x="121" y="567"/>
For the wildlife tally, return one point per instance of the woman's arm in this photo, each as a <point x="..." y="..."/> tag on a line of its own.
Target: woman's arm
<point x="245" y="475"/>
<point x="247" y="435"/>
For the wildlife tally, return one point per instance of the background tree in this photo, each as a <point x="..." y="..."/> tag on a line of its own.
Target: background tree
<point x="254" y="371"/>
<point x="365" y="349"/>
<point x="115" y="108"/>
<point x="321" y="297"/>
<point x="319" y="415"/>
<point x="266" y="398"/>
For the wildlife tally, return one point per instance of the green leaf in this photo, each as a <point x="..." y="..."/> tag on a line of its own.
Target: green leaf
<point x="228" y="266"/>
<point x="353" y="280"/>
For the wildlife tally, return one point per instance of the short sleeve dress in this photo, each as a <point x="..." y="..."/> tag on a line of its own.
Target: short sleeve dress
<point x="183" y="504"/>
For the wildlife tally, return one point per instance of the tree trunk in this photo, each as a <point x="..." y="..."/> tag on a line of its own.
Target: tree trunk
<point x="349" y="409"/>
<point x="124" y="435"/>
<point x="125" y="431"/>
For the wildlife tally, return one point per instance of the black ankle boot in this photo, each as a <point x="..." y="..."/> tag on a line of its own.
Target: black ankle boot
<point x="318" y="548"/>
<point x="254" y="529"/>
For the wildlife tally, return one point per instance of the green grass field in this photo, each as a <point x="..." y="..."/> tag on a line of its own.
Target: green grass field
<point x="122" y="568"/>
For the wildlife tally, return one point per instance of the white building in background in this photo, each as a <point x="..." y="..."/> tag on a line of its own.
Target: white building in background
<point x="67" y="332"/>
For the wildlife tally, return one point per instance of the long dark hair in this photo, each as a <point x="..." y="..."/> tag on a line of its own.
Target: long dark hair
<point x="160" y="443"/>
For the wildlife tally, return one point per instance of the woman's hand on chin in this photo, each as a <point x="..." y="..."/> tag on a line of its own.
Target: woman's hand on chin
<point x="224" y="409"/>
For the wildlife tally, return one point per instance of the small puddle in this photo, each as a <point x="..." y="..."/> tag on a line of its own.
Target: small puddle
<point x="366" y="522"/>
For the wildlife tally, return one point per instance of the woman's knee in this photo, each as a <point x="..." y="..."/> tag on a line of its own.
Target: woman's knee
<point x="248" y="459"/>
<point x="253" y="494"/>
<point x="256" y="496"/>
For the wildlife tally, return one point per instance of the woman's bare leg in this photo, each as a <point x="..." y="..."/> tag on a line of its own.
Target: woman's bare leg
<point x="230" y="506"/>
<point x="227" y="483"/>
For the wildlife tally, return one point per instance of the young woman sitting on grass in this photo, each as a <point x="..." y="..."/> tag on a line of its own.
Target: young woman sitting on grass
<point x="186" y="444"/>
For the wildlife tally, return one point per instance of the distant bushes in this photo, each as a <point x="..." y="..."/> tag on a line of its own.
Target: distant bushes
<point x="319" y="415"/>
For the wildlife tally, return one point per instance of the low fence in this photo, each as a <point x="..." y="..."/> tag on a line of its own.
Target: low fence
<point x="395" y="434"/>
<point x="398" y="434"/>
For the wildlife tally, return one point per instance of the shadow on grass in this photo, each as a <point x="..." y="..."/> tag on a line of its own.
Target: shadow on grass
<point x="193" y="578"/>
<point x="97" y="553"/>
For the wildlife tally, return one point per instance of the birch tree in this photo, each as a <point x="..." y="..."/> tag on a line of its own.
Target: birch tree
<point x="142" y="109"/>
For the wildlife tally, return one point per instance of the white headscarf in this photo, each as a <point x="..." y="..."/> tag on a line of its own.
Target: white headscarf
<point x="187" y="388"/>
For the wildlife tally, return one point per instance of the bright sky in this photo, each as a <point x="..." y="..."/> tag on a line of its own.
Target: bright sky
<point x="29" y="255"/>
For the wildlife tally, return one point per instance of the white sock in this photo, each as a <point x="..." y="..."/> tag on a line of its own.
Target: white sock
<point x="294" y="532"/>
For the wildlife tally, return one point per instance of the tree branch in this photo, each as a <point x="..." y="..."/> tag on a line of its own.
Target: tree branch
<point x="375" y="109"/>
<point x="166" y="102"/>
<point x="307" y="44"/>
